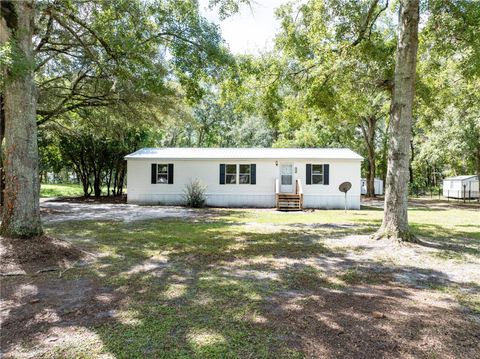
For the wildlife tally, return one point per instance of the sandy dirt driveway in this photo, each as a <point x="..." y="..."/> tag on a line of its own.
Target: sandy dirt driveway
<point x="53" y="211"/>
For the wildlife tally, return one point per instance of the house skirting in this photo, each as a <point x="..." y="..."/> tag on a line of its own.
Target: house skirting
<point x="247" y="200"/>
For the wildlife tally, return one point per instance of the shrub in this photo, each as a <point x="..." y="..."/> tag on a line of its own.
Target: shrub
<point x="194" y="194"/>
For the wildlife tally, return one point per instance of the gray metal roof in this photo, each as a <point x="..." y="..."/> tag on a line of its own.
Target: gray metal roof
<point x="461" y="178"/>
<point x="245" y="153"/>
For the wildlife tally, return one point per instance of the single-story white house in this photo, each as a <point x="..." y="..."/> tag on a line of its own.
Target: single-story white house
<point x="286" y="178"/>
<point x="461" y="187"/>
<point x="378" y="185"/>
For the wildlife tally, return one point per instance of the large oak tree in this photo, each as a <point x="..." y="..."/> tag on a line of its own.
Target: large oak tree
<point x="83" y="54"/>
<point x="395" y="220"/>
<point x="21" y="209"/>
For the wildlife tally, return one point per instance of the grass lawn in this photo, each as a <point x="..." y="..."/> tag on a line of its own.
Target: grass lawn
<point x="63" y="190"/>
<point x="258" y="284"/>
<point x="60" y="190"/>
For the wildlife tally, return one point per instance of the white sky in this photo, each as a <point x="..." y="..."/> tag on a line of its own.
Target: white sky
<point x="252" y="29"/>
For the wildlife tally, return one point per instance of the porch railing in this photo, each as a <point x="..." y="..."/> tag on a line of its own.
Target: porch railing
<point x="299" y="191"/>
<point x="277" y="191"/>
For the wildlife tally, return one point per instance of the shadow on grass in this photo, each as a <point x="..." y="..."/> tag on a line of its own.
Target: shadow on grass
<point x="442" y="238"/>
<point x="164" y="288"/>
<point x="435" y="235"/>
<point x="370" y="208"/>
<point x="428" y="209"/>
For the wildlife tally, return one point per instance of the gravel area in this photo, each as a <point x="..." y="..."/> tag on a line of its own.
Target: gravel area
<point x="68" y="211"/>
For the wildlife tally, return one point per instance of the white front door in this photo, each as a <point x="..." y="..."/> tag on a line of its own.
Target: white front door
<point x="286" y="178"/>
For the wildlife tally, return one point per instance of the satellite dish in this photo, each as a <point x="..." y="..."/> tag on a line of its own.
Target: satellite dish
<point x="345" y="187"/>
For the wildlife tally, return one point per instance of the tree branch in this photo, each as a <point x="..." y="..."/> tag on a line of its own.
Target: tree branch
<point x="104" y="44"/>
<point x="45" y="39"/>
<point x="370" y="20"/>
<point x="171" y="34"/>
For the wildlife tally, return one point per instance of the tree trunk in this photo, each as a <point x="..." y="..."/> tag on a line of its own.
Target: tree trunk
<point x="371" y="177"/>
<point x="116" y="179"/>
<point x="384" y="152"/>
<point x="85" y="186"/>
<point x="121" y="180"/>
<point x="109" y="180"/>
<point x="395" y="219"/>
<point x="2" y="135"/>
<point x="85" y="182"/>
<point x="21" y="212"/>
<point x="477" y="167"/>
<point x="368" y="126"/>
<point x="97" y="184"/>
<point x="412" y="157"/>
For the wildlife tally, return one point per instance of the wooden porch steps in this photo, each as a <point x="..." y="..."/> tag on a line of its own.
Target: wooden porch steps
<point x="289" y="202"/>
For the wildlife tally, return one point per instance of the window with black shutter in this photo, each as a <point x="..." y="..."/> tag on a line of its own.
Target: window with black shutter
<point x="222" y="173"/>
<point x="309" y="173"/>
<point x="230" y="174"/>
<point x="170" y="173"/>
<point x="154" y="173"/>
<point x="245" y="174"/>
<point x="162" y="173"/>
<point x="326" y="174"/>
<point x="318" y="174"/>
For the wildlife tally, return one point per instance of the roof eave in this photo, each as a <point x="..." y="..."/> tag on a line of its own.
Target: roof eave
<point x="240" y="158"/>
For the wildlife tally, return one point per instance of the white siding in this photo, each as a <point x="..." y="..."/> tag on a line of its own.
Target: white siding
<point x="378" y="186"/>
<point x="454" y="188"/>
<point x="262" y="194"/>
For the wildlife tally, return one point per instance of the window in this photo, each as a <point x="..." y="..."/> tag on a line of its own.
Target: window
<point x="162" y="173"/>
<point x="317" y="174"/>
<point x="230" y="174"/>
<point x="286" y="175"/>
<point x="245" y="174"/>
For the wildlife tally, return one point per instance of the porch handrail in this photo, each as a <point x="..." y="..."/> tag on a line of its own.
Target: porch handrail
<point x="277" y="191"/>
<point x="299" y="189"/>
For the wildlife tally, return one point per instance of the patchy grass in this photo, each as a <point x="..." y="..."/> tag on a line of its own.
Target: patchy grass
<point x="256" y="284"/>
<point x="467" y="296"/>
<point x="60" y="190"/>
<point x="449" y="255"/>
<point x="354" y="276"/>
<point x="308" y="278"/>
<point x="469" y="300"/>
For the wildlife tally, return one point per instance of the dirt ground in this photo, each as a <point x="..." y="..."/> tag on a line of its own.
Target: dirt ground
<point x="366" y="322"/>
<point x="39" y="255"/>
<point x="60" y="211"/>
<point x="393" y="322"/>
<point x="427" y="202"/>
<point x="394" y="314"/>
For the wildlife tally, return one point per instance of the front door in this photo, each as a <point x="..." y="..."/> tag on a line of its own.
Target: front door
<point x="286" y="178"/>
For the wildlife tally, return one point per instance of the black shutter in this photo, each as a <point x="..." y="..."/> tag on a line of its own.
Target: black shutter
<point x="309" y="174"/>
<point x="154" y="173"/>
<point x="253" y="171"/>
<point x="222" y="173"/>
<point x="326" y="174"/>
<point x="170" y="173"/>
